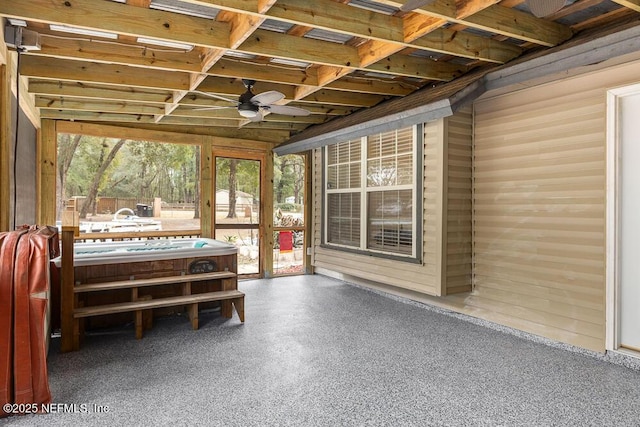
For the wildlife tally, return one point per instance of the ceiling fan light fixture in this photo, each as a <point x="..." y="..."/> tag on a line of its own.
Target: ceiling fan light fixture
<point x="248" y="111"/>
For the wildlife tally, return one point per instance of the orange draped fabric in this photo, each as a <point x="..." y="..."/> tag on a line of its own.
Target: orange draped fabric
<point x="24" y="282"/>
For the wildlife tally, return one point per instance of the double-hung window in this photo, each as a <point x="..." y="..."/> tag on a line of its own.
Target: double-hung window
<point x="372" y="193"/>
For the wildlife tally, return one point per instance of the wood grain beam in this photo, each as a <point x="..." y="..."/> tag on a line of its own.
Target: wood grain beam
<point x="265" y="73"/>
<point x="63" y="69"/>
<point x="500" y="20"/>
<point x="82" y="90"/>
<point x="136" y="55"/>
<point x="87" y="104"/>
<point x="466" y="8"/>
<point x="631" y="4"/>
<point x="122" y="19"/>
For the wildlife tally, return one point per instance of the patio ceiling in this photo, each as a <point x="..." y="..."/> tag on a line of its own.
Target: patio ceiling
<point x="170" y="64"/>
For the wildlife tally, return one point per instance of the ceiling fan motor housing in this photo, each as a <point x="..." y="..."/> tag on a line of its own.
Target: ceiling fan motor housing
<point x="245" y="104"/>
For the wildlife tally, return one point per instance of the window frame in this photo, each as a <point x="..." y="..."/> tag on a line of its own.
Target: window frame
<point x="364" y="191"/>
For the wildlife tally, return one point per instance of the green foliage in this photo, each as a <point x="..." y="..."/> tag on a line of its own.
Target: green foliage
<point x="247" y="176"/>
<point x="288" y="178"/>
<point x="288" y="207"/>
<point x="141" y="169"/>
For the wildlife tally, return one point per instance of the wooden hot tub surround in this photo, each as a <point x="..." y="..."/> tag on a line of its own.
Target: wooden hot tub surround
<point x="114" y="281"/>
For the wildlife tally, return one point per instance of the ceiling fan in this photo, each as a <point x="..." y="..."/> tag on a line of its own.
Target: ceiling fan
<point x="539" y="8"/>
<point x="252" y="106"/>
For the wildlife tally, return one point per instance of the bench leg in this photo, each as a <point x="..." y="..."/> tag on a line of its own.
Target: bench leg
<point x="226" y="310"/>
<point x="238" y="303"/>
<point x="139" y="325"/>
<point x="77" y="327"/>
<point x="193" y="315"/>
<point x="142" y="318"/>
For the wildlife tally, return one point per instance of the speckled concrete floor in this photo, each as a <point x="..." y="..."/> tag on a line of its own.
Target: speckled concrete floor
<point x="318" y="352"/>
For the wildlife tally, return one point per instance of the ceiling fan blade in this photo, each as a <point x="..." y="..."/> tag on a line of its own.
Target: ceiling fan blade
<point x="213" y="95"/>
<point x="266" y="98"/>
<point x="410" y="5"/>
<point x="542" y="8"/>
<point x="218" y="107"/>
<point x="287" y="110"/>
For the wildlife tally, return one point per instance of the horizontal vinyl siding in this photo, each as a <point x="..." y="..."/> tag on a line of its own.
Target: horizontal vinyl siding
<point x="417" y="277"/>
<point x="458" y="219"/>
<point x="539" y="211"/>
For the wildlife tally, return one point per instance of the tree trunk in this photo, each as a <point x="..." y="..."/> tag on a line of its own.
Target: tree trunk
<point x="232" y="188"/>
<point x="95" y="183"/>
<point x="66" y="149"/>
<point x="196" y="201"/>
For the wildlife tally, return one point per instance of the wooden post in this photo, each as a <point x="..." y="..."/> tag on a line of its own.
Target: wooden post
<point x="207" y="189"/>
<point x="308" y="212"/>
<point x="267" y="214"/>
<point x="47" y="168"/>
<point x="70" y="229"/>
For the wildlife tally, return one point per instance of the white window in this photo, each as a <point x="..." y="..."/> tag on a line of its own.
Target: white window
<point x="371" y="190"/>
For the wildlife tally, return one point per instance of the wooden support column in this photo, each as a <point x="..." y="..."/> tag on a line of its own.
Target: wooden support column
<point x="5" y="148"/>
<point x="69" y="340"/>
<point x="47" y="171"/>
<point x="207" y="188"/>
<point x="267" y="214"/>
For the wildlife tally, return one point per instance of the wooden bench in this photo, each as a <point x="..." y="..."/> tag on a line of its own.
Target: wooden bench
<point x="229" y="296"/>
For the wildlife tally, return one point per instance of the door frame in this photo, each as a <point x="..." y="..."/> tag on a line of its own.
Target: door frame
<point x="612" y="214"/>
<point x="265" y="223"/>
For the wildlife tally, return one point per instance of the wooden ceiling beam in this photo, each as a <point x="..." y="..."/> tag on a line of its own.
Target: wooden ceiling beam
<point x="95" y="116"/>
<point x="237" y="138"/>
<point x="423" y="68"/>
<point x="64" y="69"/>
<point x="631" y="4"/>
<point x="83" y="90"/>
<point x="500" y="20"/>
<point x="228" y="67"/>
<point x="122" y="19"/>
<point x="87" y="104"/>
<point x="139" y="56"/>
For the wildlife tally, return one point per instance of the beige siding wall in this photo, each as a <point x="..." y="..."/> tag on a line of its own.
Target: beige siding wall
<point x="539" y="208"/>
<point x="458" y="131"/>
<point x="423" y="278"/>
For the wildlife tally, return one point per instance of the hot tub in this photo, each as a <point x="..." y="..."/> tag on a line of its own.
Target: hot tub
<point x="114" y="261"/>
<point x="87" y="254"/>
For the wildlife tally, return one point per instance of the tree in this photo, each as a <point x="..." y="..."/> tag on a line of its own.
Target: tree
<point x="196" y="201"/>
<point x="233" y="163"/>
<point x="67" y="147"/>
<point x="97" y="178"/>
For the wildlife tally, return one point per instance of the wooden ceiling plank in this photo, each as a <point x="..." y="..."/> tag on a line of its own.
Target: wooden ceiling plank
<point x="374" y="86"/>
<point x="63" y="69"/>
<point x="122" y="19"/>
<point x="465" y="8"/>
<point x="233" y="87"/>
<point x="233" y="137"/>
<point x="419" y="67"/>
<point x="458" y="43"/>
<point x="334" y="97"/>
<point x="269" y="43"/>
<point x="416" y="25"/>
<point x="500" y="20"/>
<point x="95" y="117"/>
<point x="117" y="54"/>
<point x="275" y="73"/>
<point x="86" y="104"/>
<point x="81" y="90"/>
<point x="631" y="4"/>
<point x="332" y="16"/>
<point x="527" y="27"/>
